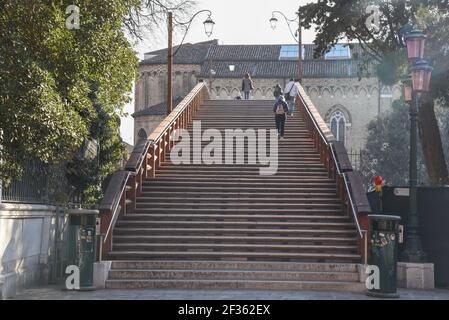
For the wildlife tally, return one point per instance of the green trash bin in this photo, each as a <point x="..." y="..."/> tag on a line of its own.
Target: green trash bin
<point x="82" y="244"/>
<point x="383" y="253"/>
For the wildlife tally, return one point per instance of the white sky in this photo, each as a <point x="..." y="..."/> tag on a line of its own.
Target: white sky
<point x="236" y="22"/>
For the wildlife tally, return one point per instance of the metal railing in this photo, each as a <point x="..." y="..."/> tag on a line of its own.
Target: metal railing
<point x="356" y="158"/>
<point x="338" y="167"/>
<point x="39" y="184"/>
<point x="345" y="180"/>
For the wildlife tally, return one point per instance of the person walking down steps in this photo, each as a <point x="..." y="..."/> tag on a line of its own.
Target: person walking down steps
<point x="247" y="86"/>
<point x="280" y="110"/>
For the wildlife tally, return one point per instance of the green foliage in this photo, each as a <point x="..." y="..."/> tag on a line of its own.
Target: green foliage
<point x="335" y="20"/>
<point x="48" y="103"/>
<point x="350" y="20"/>
<point x="387" y="150"/>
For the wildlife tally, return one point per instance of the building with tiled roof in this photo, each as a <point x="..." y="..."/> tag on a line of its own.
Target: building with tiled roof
<point x="346" y="99"/>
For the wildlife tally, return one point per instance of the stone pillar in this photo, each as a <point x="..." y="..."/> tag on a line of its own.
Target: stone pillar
<point x="416" y="275"/>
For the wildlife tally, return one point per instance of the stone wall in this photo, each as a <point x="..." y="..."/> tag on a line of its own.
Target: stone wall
<point x="147" y="123"/>
<point x="26" y="240"/>
<point x="151" y="87"/>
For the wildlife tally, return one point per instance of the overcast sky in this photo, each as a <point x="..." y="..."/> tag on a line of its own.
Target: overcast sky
<point x="236" y="22"/>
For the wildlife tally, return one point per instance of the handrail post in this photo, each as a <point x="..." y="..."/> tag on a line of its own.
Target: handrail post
<point x="146" y="164"/>
<point x="161" y="151"/>
<point x="159" y="154"/>
<point x="132" y="182"/>
<point x="365" y="247"/>
<point x="167" y="142"/>
<point x="152" y="160"/>
<point x="106" y="244"/>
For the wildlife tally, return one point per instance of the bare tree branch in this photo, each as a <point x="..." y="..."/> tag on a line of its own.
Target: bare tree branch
<point x="151" y="15"/>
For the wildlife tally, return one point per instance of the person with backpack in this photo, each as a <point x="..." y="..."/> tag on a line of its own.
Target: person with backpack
<point x="277" y="91"/>
<point x="247" y="86"/>
<point x="291" y="91"/>
<point x="280" y="110"/>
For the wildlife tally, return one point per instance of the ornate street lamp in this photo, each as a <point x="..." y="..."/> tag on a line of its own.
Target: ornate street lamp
<point x="413" y="88"/>
<point x="209" y="25"/>
<point x="208" y="29"/>
<point x="273" y="22"/>
<point x="408" y="90"/>
<point x="296" y="35"/>
<point x="421" y="75"/>
<point x="415" y="41"/>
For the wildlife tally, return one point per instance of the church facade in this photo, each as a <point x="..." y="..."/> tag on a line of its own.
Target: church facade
<point x="346" y="101"/>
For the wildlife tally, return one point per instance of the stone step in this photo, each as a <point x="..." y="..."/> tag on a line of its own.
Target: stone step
<point x="182" y="210"/>
<point x="290" y="165"/>
<point x="242" y="255"/>
<point x="234" y="217"/>
<point x="234" y="239"/>
<point x="228" y="199"/>
<point x="285" y="176"/>
<point x="287" y="151"/>
<point x="236" y="232"/>
<point x="198" y="274"/>
<point x="229" y="206"/>
<point x="234" y="265"/>
<point x="234" y="224"/>
<point x="254" y="182"/>
<point x="180" y="175"/>
<point x="279" y="161"/>
<point x="232" y="248"/>
<point x="150" y="187"/>
<point x="206" y="194"/>
<point x="236" y="284"/>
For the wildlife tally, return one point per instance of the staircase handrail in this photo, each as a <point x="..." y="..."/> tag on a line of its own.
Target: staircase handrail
<point x="126" y="185"/>
<point x="349" y="186"/>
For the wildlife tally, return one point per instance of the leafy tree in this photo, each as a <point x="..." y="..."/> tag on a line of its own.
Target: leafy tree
<point x="88" y="171"/>
<point x="337" y="20"/>
<point x="61" y="87"/>
<point x="45" y="72"/>
<point x="387" y="149"/>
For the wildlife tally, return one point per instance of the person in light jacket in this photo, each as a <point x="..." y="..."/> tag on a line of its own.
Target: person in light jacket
<point x="290" y="92"/>
<point x="247" y="86"/>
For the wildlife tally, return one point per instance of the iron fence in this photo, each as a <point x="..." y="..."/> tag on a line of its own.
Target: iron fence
<point x="39" y="184"/>
<point x="355" y="156"/>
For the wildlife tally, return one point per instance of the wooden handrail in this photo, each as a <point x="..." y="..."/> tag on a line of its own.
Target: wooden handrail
<point x="334" y="156"/>
<point x="126" y="185"/>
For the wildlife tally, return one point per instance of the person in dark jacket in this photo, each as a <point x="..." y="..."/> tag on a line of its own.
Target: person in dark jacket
<point x="278" y="91"/>
<point x="247" y="86"/>
<point x="280" y="110"/>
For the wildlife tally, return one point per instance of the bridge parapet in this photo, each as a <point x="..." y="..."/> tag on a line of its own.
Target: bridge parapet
<point x="335" y="157"/>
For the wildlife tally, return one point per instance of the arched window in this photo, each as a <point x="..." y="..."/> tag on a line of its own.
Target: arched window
<point x="338" y="125"/>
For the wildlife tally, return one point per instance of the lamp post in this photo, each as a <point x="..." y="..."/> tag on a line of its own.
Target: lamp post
<point x="298" y="33"/>
<point x="208" y="28"/>
<point x="413" y="87"/>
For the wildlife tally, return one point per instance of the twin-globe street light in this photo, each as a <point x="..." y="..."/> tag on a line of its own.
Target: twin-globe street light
<point x="297" y="34"/>
<point x="417" y="84"/>
<point x="208" y="29"/>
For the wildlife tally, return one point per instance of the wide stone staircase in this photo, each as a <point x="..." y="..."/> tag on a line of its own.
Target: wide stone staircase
<point x="225" y="226"/>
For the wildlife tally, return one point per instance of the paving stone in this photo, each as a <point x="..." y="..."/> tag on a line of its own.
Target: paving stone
<point x="55" y="293"/>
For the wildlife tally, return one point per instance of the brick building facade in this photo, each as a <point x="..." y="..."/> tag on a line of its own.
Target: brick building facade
<point x="346" y="101"/>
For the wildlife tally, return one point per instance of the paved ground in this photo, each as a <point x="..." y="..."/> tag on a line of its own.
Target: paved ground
<point x="55" y="293"/>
